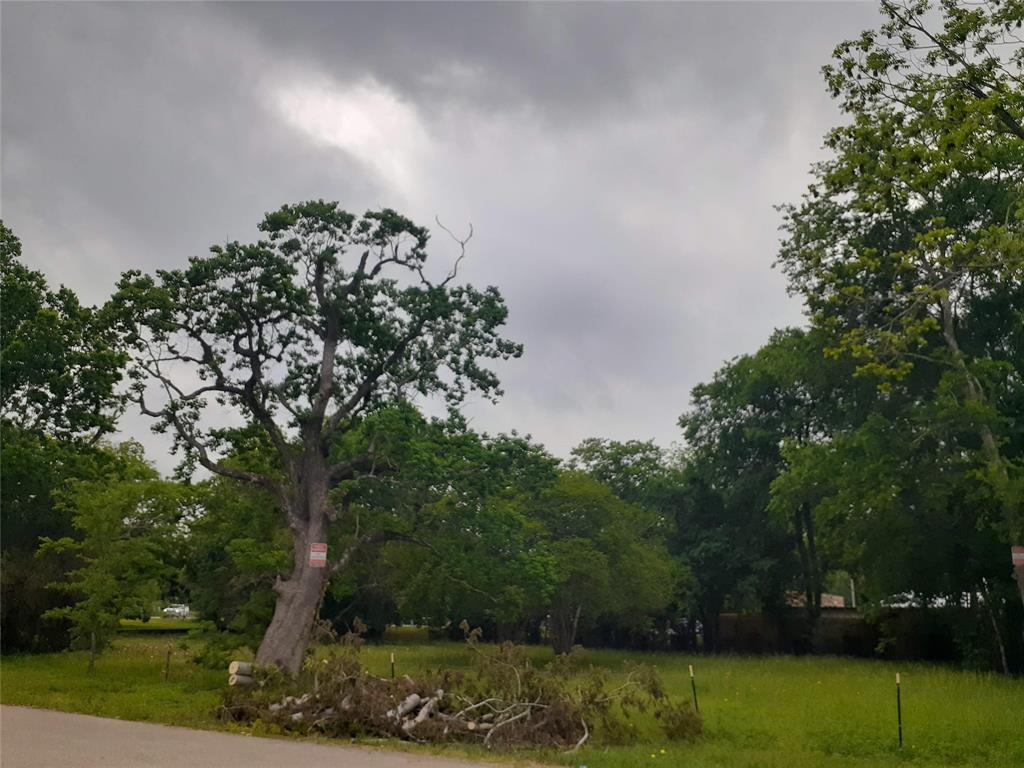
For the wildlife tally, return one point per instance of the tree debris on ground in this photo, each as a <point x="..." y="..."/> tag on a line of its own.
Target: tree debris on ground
<point x="505" y="702"/>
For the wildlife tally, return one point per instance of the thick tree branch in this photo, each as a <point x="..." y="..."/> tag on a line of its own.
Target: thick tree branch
<point x="365" y="388"/>
<point x="183" y="431"/>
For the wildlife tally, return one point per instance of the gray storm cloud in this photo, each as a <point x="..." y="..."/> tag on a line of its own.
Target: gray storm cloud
<point x="619" y="164"/>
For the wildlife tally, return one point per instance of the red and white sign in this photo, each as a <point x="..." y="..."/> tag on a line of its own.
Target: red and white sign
<point x="1017" y="553"/>
<point x="317" y="555"/>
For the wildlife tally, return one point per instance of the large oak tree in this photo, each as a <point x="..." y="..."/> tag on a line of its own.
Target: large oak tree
<point x="303" y="334"/>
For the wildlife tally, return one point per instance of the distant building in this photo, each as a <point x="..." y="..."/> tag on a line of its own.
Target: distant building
<point x="799" y="600"/>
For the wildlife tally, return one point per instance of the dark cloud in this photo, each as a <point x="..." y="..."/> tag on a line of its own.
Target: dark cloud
<point x="619" y="163"/>
<point x="570" y="61"/>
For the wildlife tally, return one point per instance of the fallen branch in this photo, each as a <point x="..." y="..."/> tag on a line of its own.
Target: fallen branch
<point x="582" y="741"/>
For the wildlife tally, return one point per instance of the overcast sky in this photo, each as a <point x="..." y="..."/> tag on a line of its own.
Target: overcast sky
<point x="618" y="162"/>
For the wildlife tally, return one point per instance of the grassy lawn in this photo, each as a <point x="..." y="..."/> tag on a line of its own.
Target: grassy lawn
<point x="765" y="712"/>
<point x="158" y="624"/>
<point x="128" y="683"/>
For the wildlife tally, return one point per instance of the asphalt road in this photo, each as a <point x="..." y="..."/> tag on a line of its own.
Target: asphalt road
<point x="42" y="738"/>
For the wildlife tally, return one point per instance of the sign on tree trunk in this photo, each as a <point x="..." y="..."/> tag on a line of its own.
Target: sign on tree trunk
<point x="317" y="555"/>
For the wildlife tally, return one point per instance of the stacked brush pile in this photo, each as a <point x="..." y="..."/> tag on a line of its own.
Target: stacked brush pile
<point x="506" y="702"/>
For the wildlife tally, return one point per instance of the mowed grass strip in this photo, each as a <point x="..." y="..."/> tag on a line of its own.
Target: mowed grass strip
<point x="765" y="711"/>
<point x="128" y="683"/>
<point x="159" y="624"/>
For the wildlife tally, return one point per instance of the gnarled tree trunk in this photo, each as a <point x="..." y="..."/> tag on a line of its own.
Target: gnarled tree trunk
<point x="298" y="599"/>
<point x="298" y="596"/>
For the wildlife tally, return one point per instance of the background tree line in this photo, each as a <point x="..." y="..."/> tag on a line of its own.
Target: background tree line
<point x="880" y="443"/>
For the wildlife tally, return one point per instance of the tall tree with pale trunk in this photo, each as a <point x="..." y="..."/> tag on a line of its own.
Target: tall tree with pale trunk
<point x="303" y="334"/>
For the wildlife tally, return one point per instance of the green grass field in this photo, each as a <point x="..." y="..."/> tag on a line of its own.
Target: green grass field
<point x="764" y="712"/>
<point x="159" y="624"/>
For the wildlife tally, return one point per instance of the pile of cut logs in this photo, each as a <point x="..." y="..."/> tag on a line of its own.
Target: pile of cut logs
<point x="239" y="673"/>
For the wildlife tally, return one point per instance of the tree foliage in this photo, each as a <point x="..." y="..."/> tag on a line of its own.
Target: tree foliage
<point x="915" y="218"/>
<point x="60" y="361"/>
<point x="132" y="527"/>
<point x="609" y="563"/>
